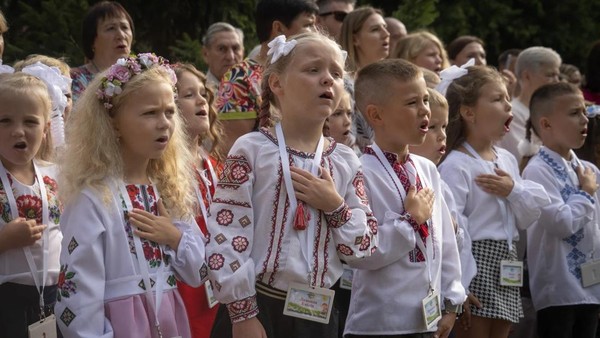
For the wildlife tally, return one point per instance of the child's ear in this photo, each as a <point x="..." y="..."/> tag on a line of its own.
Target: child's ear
<point x="373" y="115"/>
<point x="277" y="28"/>
<point x="467" y="114"/>
<point x="545" y="123"/>
<point x="275" y="84"/>
<point x="47" y="128"/>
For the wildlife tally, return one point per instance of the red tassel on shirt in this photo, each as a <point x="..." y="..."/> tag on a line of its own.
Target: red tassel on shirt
<point x="302" y="217"/>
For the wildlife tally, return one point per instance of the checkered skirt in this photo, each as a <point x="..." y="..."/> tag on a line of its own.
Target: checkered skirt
<point x="499" y="302"/>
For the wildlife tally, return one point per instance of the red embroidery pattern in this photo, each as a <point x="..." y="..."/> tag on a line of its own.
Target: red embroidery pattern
<point x="216" y="261"/>
<point x="339" y="217"/>
<point x="345" y="250"/>
<point x="232" y="202"/>
<point x="243" y="309"/>
<point x="359" y="186"/>
<point x="224" y="217"/>
<point x="240" y="243"/>
<point x="30" y="207"/>
<point x="372" y="223"/>
<point x="235" y="172"/>
<point x="365" y="244"/>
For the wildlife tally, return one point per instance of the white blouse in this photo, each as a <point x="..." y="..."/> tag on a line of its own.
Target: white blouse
<point x="480" y="213"/>
<point x="566" y="234"/>
<point x="252" y="238"/>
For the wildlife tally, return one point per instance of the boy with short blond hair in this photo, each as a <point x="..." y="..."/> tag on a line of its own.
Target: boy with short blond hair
<point x="417" y="260"/>
<point x="563" y="243"/>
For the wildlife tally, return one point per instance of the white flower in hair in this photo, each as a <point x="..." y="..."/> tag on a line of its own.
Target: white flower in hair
<point x="122" y="62"/>
<point x="452" y="73"/>
<point x="112" y="90"/>
<point x="278" y="47"/>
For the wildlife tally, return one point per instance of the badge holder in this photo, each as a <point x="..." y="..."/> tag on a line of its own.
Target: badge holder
<point x="308" y="303"/>
<point x="44" y="328"/>
<point x="511" y="273"/>
<point x="590" y="273"/>
<point x="346" y="279"/>
<point x="210" y="295"/>
<point x="432" y="309"/>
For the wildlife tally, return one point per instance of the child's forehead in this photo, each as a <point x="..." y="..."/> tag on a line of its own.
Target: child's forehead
<point x="315" y="49"/>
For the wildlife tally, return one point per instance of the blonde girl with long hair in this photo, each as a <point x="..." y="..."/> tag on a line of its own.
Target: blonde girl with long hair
<point x="288" y="195"/>
<point x="128" y="226"/>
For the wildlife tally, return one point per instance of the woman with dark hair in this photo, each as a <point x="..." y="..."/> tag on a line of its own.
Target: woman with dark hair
<point x="107" y="34"/>
<point x="465" y="47"/>
<point x="591" y="89"/>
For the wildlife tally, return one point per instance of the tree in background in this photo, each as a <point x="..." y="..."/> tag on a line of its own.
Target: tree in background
<point x="174" y="29"/>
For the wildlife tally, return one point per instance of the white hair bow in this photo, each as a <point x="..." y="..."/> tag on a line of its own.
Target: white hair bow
<point x="57" y="85"/>
<point x="279" y="47"/>
<point x="450" y="74"/>
<point x="6" y="68"/>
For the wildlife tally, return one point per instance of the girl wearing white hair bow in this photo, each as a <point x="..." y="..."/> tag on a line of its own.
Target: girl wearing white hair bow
<point x="290" y="204"/>
<point x="492" y="201"/>
<point x="30" y="238"/>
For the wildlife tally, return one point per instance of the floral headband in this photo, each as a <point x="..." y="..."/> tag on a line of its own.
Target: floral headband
<point x="121" y="72"/>
<point x="279" y="47"/>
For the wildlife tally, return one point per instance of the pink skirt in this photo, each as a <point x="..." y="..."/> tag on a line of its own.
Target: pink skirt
<point x="131" y="317"/>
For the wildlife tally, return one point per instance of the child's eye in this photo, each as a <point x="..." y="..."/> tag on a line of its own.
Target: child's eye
<point x="4" y="120"/>
<point x="32" y="122"/>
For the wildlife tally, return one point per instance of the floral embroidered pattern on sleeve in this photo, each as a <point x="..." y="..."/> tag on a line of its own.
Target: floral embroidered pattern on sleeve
<point x="339" y="216"/>
<point x="66" y="284"/>
<point x="243" y="309"/>
<point x="235" y="172"/>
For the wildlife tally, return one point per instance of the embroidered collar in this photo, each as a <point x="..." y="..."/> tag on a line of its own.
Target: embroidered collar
<point x="391" y="157"/>
<point x="272" y="138"/>
<point x="556" y="162"/>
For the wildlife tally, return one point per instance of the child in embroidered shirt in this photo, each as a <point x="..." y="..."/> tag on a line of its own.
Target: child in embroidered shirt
<point x="29" y="207"/>
<point x="124" y="244"/>
<point x="566" y="236"/>
<point x="433" y="148"/>
<point x="194" y="100"/>
<point x="417" y="254"/>
<point x="284" y="213"/>
<point x="492" y="200"/>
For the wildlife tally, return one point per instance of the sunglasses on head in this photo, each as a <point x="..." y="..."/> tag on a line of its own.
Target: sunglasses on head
<point x="337" y="15"/>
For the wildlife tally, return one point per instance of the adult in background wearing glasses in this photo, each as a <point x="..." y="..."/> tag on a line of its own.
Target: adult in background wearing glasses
<point x="332" y="14"/>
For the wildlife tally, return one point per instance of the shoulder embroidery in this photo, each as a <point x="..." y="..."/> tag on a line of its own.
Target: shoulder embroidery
<point x="235" y="172"/>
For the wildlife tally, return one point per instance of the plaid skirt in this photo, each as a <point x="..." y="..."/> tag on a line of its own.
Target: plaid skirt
<point x="498" y="302"/>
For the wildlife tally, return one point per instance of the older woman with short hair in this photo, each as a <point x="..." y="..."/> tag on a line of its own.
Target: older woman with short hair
<point x="107" y="35"/>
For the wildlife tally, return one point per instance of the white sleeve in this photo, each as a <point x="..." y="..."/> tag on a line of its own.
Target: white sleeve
<point x="567" y="217"/>
<point x="231" y="228"/>
<point x="526" y="200"/>
<point x="80" y="300"/>
<point x="353" y="225"/>
<point x="189" y="259"/>
<point x="458" y="183"/>
<point x="452" y="288"/>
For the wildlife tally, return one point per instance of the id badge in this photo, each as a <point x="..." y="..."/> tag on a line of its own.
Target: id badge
<point x="511" y="273"/>
<point x="346" y="279"/>
<point x="308" y="303"/>
<point x="590" y="273"/>
<point x="210" y="295"/>
<point x="432" y="309"/>
<point x="45" y="328"/>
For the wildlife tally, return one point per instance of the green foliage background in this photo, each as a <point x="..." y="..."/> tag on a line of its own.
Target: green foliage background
<point x="174" y="28"/>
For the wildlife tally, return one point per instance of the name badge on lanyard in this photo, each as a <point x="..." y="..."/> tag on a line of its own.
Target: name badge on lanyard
<point x="511" y="273"/>
<point x="45" y="328"/>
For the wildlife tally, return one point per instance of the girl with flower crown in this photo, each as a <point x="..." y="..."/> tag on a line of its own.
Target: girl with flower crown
<point x="128" y="232"/>
<point x="290" y="204"/>
<point x="29" y="208"/>
<point x="195" y="100"/>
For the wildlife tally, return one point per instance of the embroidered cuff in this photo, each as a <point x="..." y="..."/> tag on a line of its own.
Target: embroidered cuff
<point x="243" y="309"/>
<point x="406" y="216"/>
<point x="586" y="195"/>
<point x="339" y="216"/>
